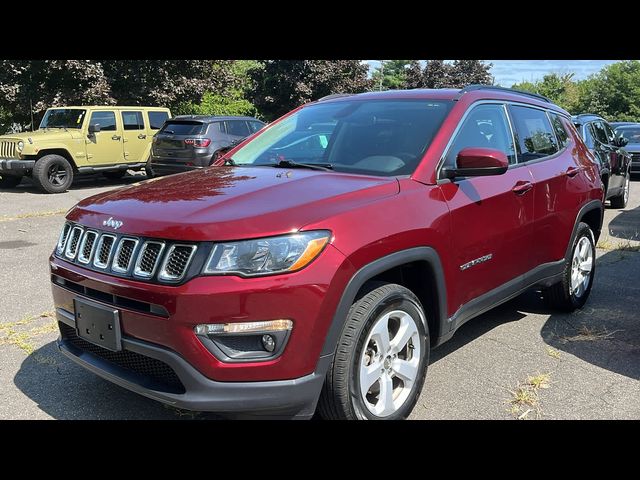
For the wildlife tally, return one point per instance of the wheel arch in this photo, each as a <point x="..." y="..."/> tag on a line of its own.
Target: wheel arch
<point x="592" y="213"/>
<point x="418" y="269"/>
<point x="63" y="152"/>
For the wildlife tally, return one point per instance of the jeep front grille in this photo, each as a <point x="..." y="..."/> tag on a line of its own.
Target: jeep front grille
<point x="8" y="149"/>
<point x="124" y="255"/>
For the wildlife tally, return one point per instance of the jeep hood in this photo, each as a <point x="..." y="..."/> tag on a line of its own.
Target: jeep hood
<point x="226" y="203"/>
<point x="51" y="134"/>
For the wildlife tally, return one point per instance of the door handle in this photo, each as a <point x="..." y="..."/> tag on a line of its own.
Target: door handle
<point x="572" y="171"/>
<point x="115" y="137"/>
<point x="521" y="188"/>
<point x="142" y="136"/>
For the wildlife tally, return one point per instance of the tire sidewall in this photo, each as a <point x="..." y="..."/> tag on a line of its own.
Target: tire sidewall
<point x="43" y="177"/>
<point x="583" y="231"/>
<point x="393" y="301"/>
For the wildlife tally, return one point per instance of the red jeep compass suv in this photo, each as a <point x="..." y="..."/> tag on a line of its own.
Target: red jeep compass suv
<point x="321" y="259"/>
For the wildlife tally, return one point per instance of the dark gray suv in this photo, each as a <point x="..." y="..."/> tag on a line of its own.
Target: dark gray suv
<point x="188" y="142"/>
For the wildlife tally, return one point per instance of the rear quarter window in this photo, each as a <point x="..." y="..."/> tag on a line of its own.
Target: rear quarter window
<point x="559" y="128"/>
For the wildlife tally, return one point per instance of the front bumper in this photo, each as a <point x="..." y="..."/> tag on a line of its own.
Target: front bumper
<point x="292" y="398"/>
<point x="16" y="167"/>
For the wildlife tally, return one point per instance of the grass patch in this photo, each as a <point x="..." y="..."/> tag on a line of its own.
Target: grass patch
<point x="553" y="353"/>
<point x="50" y="213"/>
<point x="589" y="334"/>
<point x="525" y="399"/>
<point x="19" y="335"/>
<point x="622" y="246"/>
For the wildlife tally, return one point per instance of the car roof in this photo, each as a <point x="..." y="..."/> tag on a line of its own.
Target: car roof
<point x="213" y="118"/>
<point x="475" y="92"/>
<point x="113" y="107"/>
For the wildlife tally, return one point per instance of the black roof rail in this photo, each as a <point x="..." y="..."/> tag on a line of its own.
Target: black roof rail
<point x="335" y="95"/>
<point x="471" y="88"/>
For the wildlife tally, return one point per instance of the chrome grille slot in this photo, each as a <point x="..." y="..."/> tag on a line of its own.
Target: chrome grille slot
<point x="176" y="262"/>
<point x="72" y="243"/>
<point x="103" y="250"/>
<point x="8" y="149"/>
<point x="148" y="258"/>
<point x="87" y="246"/>
<point x="124" y="255"/>
<point x="63" y="238"/>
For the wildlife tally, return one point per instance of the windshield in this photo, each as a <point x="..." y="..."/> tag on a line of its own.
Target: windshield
<point x="375" y="137"/>
<point x="63" y="118"/>
<point x="631" y="134"/>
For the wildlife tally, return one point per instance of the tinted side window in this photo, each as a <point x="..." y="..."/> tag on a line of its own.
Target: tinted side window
<point x="610" y="135"/>
<point x="485" y="126"/>
<point x="534" y="134"/>
<point x="156" y="119"/>
<point x="132" y="121"/>
<point x="600" y="133"/>
<point x="106" y="120"/>
<point x="558" y="127"/>
<point x="237" y="127"/>
<point x="589" y="139"/>
<point x="255" y="126"/>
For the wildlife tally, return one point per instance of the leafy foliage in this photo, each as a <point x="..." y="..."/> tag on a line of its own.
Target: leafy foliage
<point x="439" y="74"/>
<point x="282" y="85"/>
<point x="391" y="75"/>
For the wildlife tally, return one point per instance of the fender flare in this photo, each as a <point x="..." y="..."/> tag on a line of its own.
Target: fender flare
<point x="367" y="272"/>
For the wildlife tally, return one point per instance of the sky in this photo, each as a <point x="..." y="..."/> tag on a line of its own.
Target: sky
<point x="508" y="72"/>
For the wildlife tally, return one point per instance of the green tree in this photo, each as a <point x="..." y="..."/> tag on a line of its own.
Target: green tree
<point x="390" y="75"/>
<point x="560" y="88"/>
<point x="282" y="85"/>
<point x="440" y="74"/>
<point x="467" y="72"/>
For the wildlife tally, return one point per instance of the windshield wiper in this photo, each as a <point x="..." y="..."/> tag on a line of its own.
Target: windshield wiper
<point x="312" y="166"/>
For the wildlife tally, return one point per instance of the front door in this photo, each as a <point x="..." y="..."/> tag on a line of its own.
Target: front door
<point x="134" y="138"/>
<point x="105" y="146"/>
<point x="491" y="216"/>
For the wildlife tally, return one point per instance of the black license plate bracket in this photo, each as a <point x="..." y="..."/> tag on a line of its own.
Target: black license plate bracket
<point x="98" y="324"/>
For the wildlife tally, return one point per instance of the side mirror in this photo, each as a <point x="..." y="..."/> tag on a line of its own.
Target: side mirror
<point x="478" y="162"/>
<point x="95" y="128"/>
<point x="621" y="141"/>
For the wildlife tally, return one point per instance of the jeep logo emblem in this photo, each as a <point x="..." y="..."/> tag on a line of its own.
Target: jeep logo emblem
<point x="115" y="224"/>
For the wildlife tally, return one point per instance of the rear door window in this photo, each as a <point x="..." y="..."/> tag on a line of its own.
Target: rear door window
<point x="156" y="119"/>
<point x="182" y="128"/>
<point x="237" y="128"/>
<point x="132" y="121"/>
<point x="534" y="134"/>
<point x="106" y="120"/>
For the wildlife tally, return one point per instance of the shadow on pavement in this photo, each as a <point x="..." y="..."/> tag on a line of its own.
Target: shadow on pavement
<point x="66" y="391"/>
<point x="604" y="333"/>
<point x="626" y="224"/>
<point x="80" y="182"/>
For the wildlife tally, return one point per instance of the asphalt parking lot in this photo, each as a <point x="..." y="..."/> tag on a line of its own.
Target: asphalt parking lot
<point x="518" y="361"/>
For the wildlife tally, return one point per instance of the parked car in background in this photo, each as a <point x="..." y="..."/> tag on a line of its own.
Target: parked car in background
<point x="631" y="132"/>
<point x="614" y="160"/>
<point x="289" y="280"/>
<point x="189" y="142"/>
<point x="77" y="140"/>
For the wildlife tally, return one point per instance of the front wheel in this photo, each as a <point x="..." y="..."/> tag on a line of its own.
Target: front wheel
<point x="621" y="200"/>
<point x="381" y="360"/>
<point x="573" y="290"/>
<point x="52" y="174"/>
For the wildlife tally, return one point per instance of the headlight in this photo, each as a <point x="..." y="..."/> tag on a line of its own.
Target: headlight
<point x="266" y="256"/>
<point x="20" y="145"/>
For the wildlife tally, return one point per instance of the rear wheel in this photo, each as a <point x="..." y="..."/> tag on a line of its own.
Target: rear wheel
<point x="621" y="200"/>
<point x="10" y="181"/>
<point x="381" y="360"/>
<point x="53" y="174"/>
<point x="117" y="175"/>
<point x="577" y="279"/>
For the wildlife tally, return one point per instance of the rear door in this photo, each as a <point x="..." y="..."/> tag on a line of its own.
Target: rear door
<point x="170" y="142"/>
<point x="105" y="147"/>
<point x="134" y="136"/>
<point x="547" y="148"/>
<point x="491" y="216"/>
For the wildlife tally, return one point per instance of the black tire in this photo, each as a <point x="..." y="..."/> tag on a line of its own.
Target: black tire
<point x="341" y="398"/>
<point x="10" y="181"/>
<point x="44" y="174"/>
<point x="117" y="175"/>
<point x="561" y="295"/>
<point x="620" y="201"/>
<point x="149" y="171"/>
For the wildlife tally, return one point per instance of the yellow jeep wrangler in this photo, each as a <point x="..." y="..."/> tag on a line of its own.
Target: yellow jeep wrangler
<point x="78" y="140"/>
